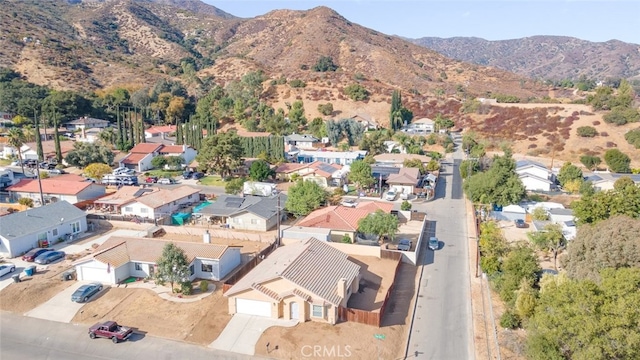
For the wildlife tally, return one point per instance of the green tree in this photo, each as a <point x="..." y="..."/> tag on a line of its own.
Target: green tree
<point x="442" y="122"/>
<point x="379" y="223"/>
<point x="373" y="142"/>
<point x="623" y="184"/>
<point x="405" y="206"/>
<point x="590" y="162"/>
<point x="304" y="197"/>
<point x="433" y="165"/>
<point x="415" y="163"/>
<point x="549" y="239"/>
<point x="587" y="131"/>
<point x="159" y="162"/>
<point x="356" y="92"/>
<point x="612" y="243"/>
<point x="85" y="153"/>
<point x="325" y="109"/>
<point x="260" y="170"/>
<point x="500" y="183"/>
<point x="520" y="263"/>
<point x="234" y="186"/>
<point x="493" y="247"/>
<point x="325" y="63"/>
<point x="604" y="204"/>
<point x="26" y="202"/>
<point x="17" y="140"/>
<point x="526" y="300"/>
<point x="617" y="161"/>
<point x="97" y="170"/>
<point x="173" y="266"/>
<point x="221" y="153"/>
<point x="317" y="128"/>
<point x="175" y="162"/>
<point x="569" y="172"/>
<point x="360" y="174"/>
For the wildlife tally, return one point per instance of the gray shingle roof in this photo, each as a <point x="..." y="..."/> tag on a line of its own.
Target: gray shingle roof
<point x="525" y="163"/>
<point x="35" y="220"/>
<point x="313" y="265"/>
<point x="230" y="205"/>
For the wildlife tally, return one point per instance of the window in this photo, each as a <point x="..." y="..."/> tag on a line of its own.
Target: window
<point x="192" y="269"/>
<point x="128" y="209"/>
<point x="138" y="266"/>
<point x="317" y="311"/>
<point x="42" y="236"/>
<point x="54" y="232"/>
<point x="75" y="227"/>
<point x="144" y="210"/>
<point x="254" y="221"/>
<point x="237" y="221"/>
<point x="207" y="268"/>
<point x="189" y="197"/>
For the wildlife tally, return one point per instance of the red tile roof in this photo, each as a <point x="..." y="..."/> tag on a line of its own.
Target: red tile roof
<point x="134" y="158"/>
<point x="50" y="186"/>
<point x="172" y="149"/>
<point x="161" y="129"/>
<point x="343" y="218"/>
<point x="145" y="148"/>
<point x="290" y="167"/>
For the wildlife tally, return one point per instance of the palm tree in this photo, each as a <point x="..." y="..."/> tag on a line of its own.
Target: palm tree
<point x="17" y="140"/>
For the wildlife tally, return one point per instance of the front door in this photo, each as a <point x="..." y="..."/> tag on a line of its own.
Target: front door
<point x="151" y="270"/>
<point x="295" y="312"/>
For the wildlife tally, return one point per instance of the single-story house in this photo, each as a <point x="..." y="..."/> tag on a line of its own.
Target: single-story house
<point x="343" y="220"/>
<point x="246" y="213"/>
<point x="120" y="258"/>
<point x="160" y="131"/>
<point x="151" y="203"/>
<point x="30" y="150"/>
<point x="184" y="151"/>
<point x="25" y="230"/>
<point x="420" y="126"/>
<point x="67" y="187"/>
<point x="534" y="183"/>
<point x="560" y="215"/>
<point x="84" y="123"/>
<point x="331" y="157"/>
<point x="140" y="156"/>
<point x="300" y="141"/>
<point x="398" y="160"/>
<point x="510" y="213"/>
<point x="405" y="181"/>
<point x="306" y="281"/>
<point x="604" y="180"/>
<point x="368" y="122"/>
<point x="322" y="173"/>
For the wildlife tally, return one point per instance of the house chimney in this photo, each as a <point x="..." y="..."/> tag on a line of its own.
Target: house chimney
<point x="206" y="237"/>
<point x="342" y="288"/>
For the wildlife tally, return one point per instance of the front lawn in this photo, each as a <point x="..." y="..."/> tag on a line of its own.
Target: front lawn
<point x="212" y="180"/>
<point x="164" y="173"/>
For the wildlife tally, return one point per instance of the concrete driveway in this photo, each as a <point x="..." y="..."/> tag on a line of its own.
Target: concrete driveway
<point x="243" y="331"/>
<point x="60" y="307"/>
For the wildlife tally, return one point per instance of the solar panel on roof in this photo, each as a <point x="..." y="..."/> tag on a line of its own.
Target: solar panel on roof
<point x="141" y="192"/>
<point x="233" y="203"/>
<point x="327" y="168"/>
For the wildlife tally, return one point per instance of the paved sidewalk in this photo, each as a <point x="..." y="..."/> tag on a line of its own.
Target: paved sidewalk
<point x="59" y="308"/>
<point x="243" y="332"/>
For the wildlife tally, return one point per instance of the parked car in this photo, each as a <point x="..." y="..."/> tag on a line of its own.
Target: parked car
<point x="31" y="162"/>
<point x="55" y="171"/>
<point x="166" y="181"/>
<point x="349" y="203"/>
<point x="32" y="254"/>
<point x="434" y="244"/>
<point x="197" y="175"/>
<point x="391" y="195"/>
<point x="49" y="256"/>
<point x="85" y="292"/>
<point x="15" y="163"/>
<point x="7" y="269"/>
<point x="520" y="223"/>
<point x="110" y="330"/>
<point x="404" y="245"/>
<point x="47" y="166"/>
<point x="187" y="174"/>
<point x="151" y="179"/>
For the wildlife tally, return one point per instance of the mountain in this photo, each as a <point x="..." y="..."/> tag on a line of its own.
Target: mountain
<point x="95" y="44"/>
<point x="544" y="57"/>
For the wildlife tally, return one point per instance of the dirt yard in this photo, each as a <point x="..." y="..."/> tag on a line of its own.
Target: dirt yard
<point x="347" y="339"/>
<point x="35" y="290"/>
<point x="197" y="322"/>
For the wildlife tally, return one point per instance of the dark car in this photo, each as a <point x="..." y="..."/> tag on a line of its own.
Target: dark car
<point x="520" y="224"/>
<point x="49" y="256"/>
<point x="47" y="166"/>
<point x="85" y="292"/>
<point x="30" y="162"/>
<point x="187" y="174"/>
<point x="32" y="254"/>
<point x="197" y="175"/>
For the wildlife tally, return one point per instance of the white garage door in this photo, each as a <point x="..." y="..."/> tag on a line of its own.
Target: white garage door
<point x="93" y="274"/>
<point x="253" y="307"/>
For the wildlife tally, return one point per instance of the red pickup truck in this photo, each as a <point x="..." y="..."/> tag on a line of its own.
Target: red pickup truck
<point x="111" y="330"/>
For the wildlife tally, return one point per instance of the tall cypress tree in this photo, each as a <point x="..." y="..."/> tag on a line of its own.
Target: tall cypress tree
<point x="56" y="138"/>
<point x="132" y="139"/>
<point x="38" y="137"/>
<point x="179" y="139"/>
<point x="120" y="130"/>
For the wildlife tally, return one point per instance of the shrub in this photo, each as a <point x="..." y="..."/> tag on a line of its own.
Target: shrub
<point x="186" y="288"/>
<point x="405" y="206"/>
<point x="26" y="202"/>
<point x="325" y="109"/>
<point x="587" y="131"/>
<point x="346" y="239"/>
<point x="633" y="138"/>
<point x="325" y="63"/>
<point x="356" y="92"/>
<point x="204" y="286"/>
<point x="297" y="83"/>
<point x="509" y="320"/>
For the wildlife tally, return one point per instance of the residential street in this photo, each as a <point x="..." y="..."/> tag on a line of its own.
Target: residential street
<point x="35" y="339"/>
<point x="442" y="327"/>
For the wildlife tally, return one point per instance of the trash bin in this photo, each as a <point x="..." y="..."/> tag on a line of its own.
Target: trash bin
<point x="69" y="275"/>
<point x="30" y="270"/>
<point x="16" y="278"/>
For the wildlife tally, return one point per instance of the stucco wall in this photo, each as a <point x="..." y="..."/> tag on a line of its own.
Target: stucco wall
<point x="355" y="249"/>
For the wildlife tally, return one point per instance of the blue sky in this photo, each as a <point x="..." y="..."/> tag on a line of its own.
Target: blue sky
<point x="593" y="20"/>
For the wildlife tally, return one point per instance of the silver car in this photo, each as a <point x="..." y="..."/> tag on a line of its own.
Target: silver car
<point x="434" y="244"/>
<point x="404" y="245"/>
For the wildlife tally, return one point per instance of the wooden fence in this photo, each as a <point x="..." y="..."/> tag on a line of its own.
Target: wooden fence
<point x="373" y="318"/>
<point x="231" y="280"/>
<point x="390" y="254"/>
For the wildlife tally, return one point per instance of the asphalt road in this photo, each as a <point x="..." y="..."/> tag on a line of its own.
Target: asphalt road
<point x="35" y="339"/>
<point x="442" y="327"/>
